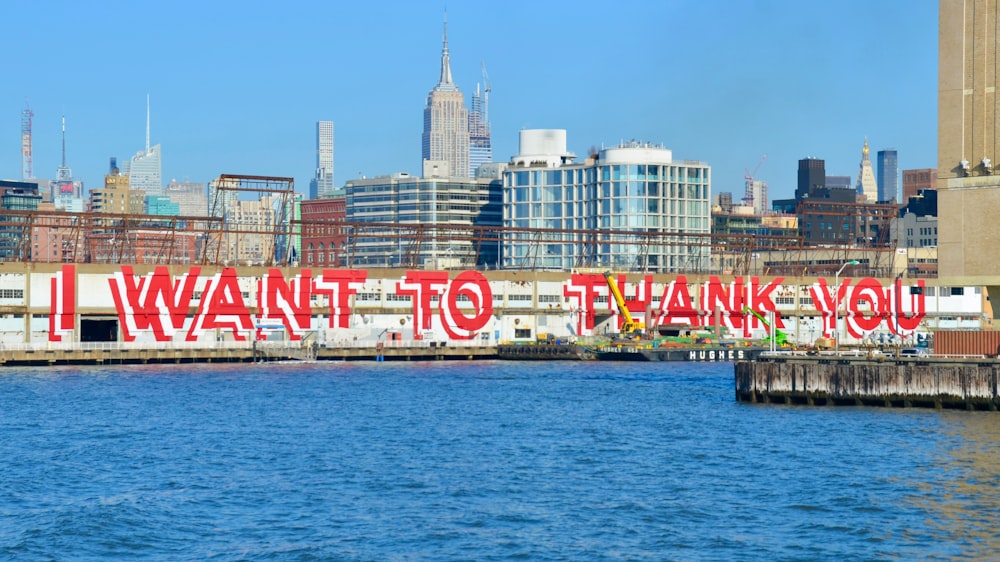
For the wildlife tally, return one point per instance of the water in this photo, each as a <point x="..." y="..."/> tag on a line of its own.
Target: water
<point x="477" y="461"/>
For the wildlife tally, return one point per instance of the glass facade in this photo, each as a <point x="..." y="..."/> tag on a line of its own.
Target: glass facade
<point x="392" y="203"/>
<point x="582" y="215"/>
<point x="887" y="175"/>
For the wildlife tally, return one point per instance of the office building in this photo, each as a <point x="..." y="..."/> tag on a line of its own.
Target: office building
<point x="145" y="169"/>
<point x="838" y="182"/>
<point x="915" y="181"/>
<point x="446" y="123"/>
<point x="480" y="143"/>
<point x="190" y="197"/>
<point x="812" y="176"/>
<point x="887" y="175"/>
<point x="116" y="197"/>
<point x="322" y="183"/>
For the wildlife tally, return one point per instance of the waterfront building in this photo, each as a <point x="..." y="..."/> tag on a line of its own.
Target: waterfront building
<point x="324" y="238"/>
<point x="887" y="175"/>
<point x="867" y="184"/>
<point x="915" y="181"/>
<point x="446" y="121"/>
<point x="393" y="203"/>
<point x="634" y="188"/>
<point x="969" y="190"/>
<point x="322" y="183"/>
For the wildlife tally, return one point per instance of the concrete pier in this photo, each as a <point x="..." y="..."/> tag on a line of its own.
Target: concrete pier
<point x="860" y="380"/>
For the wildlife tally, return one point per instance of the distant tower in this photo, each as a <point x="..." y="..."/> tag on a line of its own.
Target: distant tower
<point x="867" y="185"/>
<point x="812" y="176"/>
<point x="480" y="144"/>
<point x="758" y="190"/>
<point x="446" y="121"/>
<point x="26" y="115"/>
<point x="63" y="173"/>
<point x="888" y="175"/>
<point x="145" y="171"/>
<point x="322" y="183"/>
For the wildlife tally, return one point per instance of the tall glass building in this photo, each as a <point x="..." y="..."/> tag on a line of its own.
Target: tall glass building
<point x="563" y="215"/>
<point x="322" y="183"/>
<point x="145" y="171"/>
<point x="887" y="175"/>
<point x="480" y="143"/>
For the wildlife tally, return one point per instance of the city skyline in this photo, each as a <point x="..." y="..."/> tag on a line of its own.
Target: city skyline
<point x="768" y="77"/>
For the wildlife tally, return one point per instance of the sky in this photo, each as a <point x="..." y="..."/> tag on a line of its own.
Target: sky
<point x="237" y="87"/>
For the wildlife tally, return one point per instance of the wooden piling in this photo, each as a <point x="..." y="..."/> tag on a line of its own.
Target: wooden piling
<point x="892" y="382"/>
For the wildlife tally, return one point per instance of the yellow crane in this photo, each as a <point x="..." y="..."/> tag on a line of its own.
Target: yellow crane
<point x="630" y="327"/>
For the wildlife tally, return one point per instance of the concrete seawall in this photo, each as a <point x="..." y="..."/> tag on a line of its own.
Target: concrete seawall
<point x="840" y="380"/>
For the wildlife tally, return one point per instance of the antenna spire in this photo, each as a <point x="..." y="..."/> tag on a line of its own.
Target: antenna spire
<point x="63" y="141"/>
<point x="147" y="123"/>
<point x="445" y="58"/>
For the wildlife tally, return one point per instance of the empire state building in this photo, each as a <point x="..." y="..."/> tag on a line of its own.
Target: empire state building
<point x="446" y="125"/>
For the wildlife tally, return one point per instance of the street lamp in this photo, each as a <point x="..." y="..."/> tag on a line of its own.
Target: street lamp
<point x="836" y="308"/>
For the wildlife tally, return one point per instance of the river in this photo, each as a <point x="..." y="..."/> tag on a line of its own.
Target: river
<point x="477" y="461"/>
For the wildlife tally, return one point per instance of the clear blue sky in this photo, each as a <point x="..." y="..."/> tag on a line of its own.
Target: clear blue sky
<point x="236" y="87"/>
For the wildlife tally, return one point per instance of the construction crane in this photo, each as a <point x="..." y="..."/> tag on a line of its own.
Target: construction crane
<point x="748" y="198"/>
<point x="26" y="114"/>
<point x="777" y="336"/>
<point x="630" y="327"/>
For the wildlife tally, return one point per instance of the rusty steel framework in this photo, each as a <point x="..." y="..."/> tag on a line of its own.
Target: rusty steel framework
<point x="274" y="236"/>
<point x="51" y="236"/>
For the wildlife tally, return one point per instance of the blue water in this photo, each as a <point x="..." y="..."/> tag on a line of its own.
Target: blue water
<point x="477" y="461"/>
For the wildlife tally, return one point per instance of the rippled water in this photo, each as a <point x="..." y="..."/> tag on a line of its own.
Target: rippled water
<point x="477" y="461"/>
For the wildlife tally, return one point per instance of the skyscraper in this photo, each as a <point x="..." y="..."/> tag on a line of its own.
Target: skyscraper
<point x="145" y="171"/>
<point x="812" y="176"/>
<point x="867" y="185"/>
<point x="480" y="144"/>
<point x="446" y="121"/>
<point x="322" y="183"/>
<point x="887" y="175"/>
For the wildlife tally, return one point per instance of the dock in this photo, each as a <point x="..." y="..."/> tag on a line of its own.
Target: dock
<point x="967" y="382"/>
<point x="115" y="353"/>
